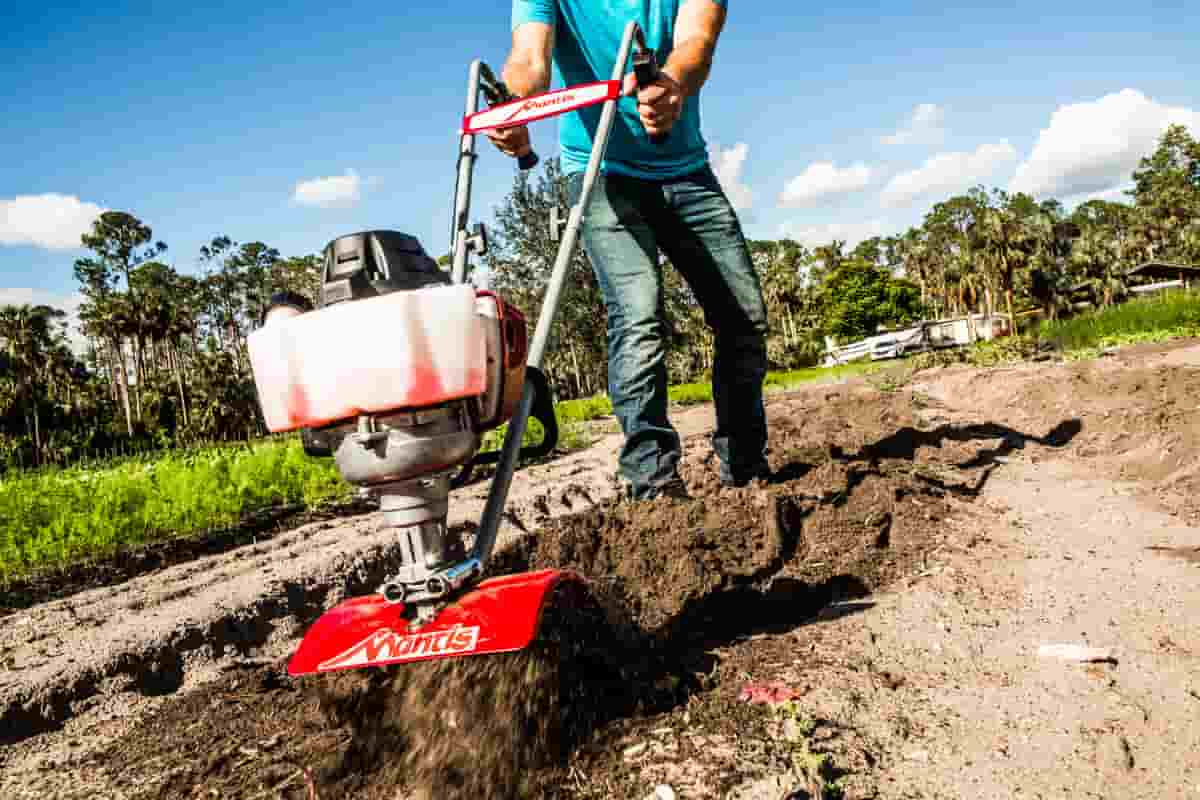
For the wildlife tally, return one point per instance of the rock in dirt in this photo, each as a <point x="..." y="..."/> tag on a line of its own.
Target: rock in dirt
<point x="1079" y="653"/>
<point x="661" y="792"/>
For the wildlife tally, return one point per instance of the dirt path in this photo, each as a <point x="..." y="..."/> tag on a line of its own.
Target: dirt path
<point x="941" y="679"/>
<point x="948" y="530"/>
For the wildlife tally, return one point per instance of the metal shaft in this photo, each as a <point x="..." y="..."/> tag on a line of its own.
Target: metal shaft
<point x="466" y="163"/>
<point x="490" y="523"/>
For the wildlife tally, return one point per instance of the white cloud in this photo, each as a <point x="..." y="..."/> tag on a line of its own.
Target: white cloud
<point x="924" y="126"/>
<point x="335" y="191"/>
<point x="727" y="164"/>
<point x="1096" y="145"/>
<point x="52" y="221"/>
<point x="850" y="232"/>
<point x="824" y="179"/>
<point x="63" y="302"/>
<point x="946" y="173"/>
<point x="1113" y="195"/>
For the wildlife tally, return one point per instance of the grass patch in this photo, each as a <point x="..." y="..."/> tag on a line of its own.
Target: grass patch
<point x="696" y="393"/>
<point x="1170" y="315"/>
<point x="1173" y="315"/>
<point x="50" y="519"/>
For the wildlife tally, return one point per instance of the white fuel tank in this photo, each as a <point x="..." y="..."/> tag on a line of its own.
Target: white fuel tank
<point x="400" y="350"/>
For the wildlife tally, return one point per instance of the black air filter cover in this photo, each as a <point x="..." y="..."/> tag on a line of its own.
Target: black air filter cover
<point x="374" y="263"/>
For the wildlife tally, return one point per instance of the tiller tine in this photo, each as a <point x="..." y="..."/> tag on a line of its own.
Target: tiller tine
<point x="499" y="615"/>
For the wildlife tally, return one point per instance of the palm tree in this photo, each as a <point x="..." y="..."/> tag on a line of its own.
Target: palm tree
<point x="27" y="335"/>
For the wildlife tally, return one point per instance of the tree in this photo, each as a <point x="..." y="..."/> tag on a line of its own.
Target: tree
<point x="28" y="340"/>
<point x="119" y="242"/>
<point x="122" y="242"/>
<point x="519" y="264"/>
<point x="859" y="297"/>
<point x="1167" y="197"/>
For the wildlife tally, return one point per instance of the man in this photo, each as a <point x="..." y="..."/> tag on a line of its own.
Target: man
<point x="651" y="196"/>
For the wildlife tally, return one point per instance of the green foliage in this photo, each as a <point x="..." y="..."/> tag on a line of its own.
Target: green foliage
<point x="797" y="732"/>
<point x="859" y="297"/>
<point x="53" y="518"/>
<point x="1165" y="316"/>
<point x="584" y="409"/>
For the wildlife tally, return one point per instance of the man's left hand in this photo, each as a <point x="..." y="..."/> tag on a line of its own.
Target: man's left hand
<point x="659" y="104"/>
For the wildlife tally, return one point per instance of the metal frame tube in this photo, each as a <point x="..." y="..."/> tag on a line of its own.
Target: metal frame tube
<point x="466" y="164"/>
<point x="489" y="524"/>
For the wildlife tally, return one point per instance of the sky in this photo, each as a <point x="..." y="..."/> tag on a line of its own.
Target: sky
<point x="293" y="123"/>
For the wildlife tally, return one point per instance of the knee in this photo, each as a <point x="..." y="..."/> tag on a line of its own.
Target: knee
<point x="636" y="332"/>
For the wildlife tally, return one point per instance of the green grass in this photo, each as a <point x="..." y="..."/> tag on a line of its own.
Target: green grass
<point x="54" y="518"/>
<point x="1167" y="316"/>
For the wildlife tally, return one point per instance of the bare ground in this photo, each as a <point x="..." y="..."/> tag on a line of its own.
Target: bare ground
<point x="869" y="625"/>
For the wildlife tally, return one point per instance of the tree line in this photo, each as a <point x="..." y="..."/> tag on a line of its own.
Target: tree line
<point x="165" y="361"/>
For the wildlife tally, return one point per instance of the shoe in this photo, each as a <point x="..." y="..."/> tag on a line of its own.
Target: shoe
<point x="760" y="473"/>
<point x="674" y="488"/>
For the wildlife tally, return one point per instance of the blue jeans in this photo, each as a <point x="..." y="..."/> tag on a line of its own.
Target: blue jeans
<point x="627" y="222"/>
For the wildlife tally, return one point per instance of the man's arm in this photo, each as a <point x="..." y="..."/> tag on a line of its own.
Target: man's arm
<point x="697" y="28"/>
<point x="526" y="72"/>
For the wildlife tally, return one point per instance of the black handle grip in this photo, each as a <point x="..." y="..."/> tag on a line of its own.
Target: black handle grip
<point x="528" y="161"/>
<point x="645" y="71"/>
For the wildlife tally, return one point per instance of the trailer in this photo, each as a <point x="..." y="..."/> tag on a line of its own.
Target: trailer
<point x="921" y="337"/>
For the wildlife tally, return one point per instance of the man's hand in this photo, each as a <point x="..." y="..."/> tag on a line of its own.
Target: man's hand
<point x="526" y="72"/>
<point x="659" y="104"/>
<point x="511" y="141"/>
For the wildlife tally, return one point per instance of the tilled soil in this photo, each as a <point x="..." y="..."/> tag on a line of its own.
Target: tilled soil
<point x="673" y="579"/>
<point x="787" y="639"/>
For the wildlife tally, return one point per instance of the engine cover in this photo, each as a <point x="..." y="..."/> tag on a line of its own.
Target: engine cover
<point x="372" y="263"/>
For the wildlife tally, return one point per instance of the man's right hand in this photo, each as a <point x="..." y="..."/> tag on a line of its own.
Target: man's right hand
<point x="511" y="141"/>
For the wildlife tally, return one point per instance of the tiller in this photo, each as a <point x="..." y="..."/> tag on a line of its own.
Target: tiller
<point x="398" y="372"/>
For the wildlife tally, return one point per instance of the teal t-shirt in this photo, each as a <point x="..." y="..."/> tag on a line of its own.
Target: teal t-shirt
<point x="587" y="36"/>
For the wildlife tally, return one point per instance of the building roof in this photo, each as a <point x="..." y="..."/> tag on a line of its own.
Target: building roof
<point x="1161" y="270"/>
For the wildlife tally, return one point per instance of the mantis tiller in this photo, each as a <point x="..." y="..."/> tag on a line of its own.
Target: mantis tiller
<point x="398" y="373"/>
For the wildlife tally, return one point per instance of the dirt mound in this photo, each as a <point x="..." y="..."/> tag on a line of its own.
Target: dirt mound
<point x="858" y="492"/>
<point x="1138" y="420"/>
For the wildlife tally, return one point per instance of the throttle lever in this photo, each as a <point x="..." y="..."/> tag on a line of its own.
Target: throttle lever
<point x="497" y="93"/>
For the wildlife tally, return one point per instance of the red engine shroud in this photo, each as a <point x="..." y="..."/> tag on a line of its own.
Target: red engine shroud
<point x="500" y="615"/>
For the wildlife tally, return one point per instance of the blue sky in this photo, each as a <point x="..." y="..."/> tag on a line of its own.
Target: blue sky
<point x="849" y="119"/>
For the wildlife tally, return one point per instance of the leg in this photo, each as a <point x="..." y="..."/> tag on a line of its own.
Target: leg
<point x="701" y="235"/>
<point x="623" y="251"/>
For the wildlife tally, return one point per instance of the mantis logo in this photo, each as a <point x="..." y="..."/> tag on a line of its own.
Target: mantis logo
<point x="534" y="104"/>
<point x="388" y="647"/>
